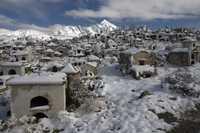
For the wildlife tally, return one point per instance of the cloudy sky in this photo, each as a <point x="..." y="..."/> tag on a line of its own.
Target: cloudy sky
<point x="154" y="13"/>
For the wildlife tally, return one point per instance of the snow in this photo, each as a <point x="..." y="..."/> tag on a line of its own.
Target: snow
<point x="58" y="53"/>
<point x="5" y="77"/>
<point x="11" y="64"/>
<point x="4" y="31"/>
<point x="46" y="107"/>
<point x="68" y="69"/>
<point x="51" y="44"/>
<point x="93" y="58"/>
<point x="51" y="64"/>
<point x="46" y="58"/>
<point x="30" y="33"/>
<point x="131" y="51"/>
<point x="108" y="24"/>
<point x="42" y="78"/>
<point x="180" y="50"/>
<point x="64" y="31"/>
<point x="18" y="53"/>
<point x="142" y="68"/>
<point x="124" y="111"/>
<point x="94" y="64"/>
<point x="59" y="31"/>
<point x="50" y="50"/>
<point x="46" y="123"/>
<point x="184" y="81"/>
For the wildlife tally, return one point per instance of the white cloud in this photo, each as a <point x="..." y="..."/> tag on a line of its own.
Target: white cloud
<point x="144" y="9"/>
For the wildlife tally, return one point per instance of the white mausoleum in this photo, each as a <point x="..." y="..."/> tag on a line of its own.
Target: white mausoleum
<point x="12" y="68"/>
<point x="40" y="95"/>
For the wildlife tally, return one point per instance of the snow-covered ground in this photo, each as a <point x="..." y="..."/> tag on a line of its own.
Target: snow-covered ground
<point x="127" y="111"/>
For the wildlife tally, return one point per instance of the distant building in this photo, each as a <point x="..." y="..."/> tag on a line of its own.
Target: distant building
<point x="196" y="54"/>
<point x="89" y="69"/>
<point x="73" y="77"/>
<point x="180" y="57"/>
<point x="23" y="55"/>
<point x="12" y="68"/>
<point x="136" y="56"/>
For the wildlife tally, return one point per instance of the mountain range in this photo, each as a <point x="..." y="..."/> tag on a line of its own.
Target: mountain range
<point x="60" y="31"/>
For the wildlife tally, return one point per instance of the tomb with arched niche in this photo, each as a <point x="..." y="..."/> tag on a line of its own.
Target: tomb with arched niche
<point x="12" y="68"/>
<point x="38" y="93"/>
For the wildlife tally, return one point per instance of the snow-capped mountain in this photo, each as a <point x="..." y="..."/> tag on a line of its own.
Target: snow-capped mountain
<point x="30" y="33"/>
<point x="61" y="31"/>
<point x="107" y="25"/>
<point x="21" y="33"/>
<point x="76" y="31"/>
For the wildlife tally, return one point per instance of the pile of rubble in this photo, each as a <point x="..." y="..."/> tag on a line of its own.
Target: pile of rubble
<point x="183" y="82"/>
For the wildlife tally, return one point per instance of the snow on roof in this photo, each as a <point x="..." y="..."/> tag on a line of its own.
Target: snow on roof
<point x="58" y="53"/>
<point x="11" y="64"/>
<point x="38" y="48"/>
<point x="136" y="50"/>
<point x="19" y="46"/>
<point x="93" y="57"/>
<point x="189" y="39"/>
<point x="49" y="50"/>
<point x="38" y="79"/>
<point x="46" y="58"/>
<point x="77" y="60"/>
<point x="6" y="77"/>
<point x="52" y="64"/>
<point x="69" y="69"/>
<point x="138" y="39"/>
<point x="56" y="63"/>
<point x="112" y="42"/>
<point x="17" y="53"/>
<point x="131" y="51"/>
<point x="140" y="68"/>
<point x="180" y="50"/>
<point x="87" y="45"/>
<point x="51" y="44"/>
<point x="94" y="64"/>
<point x="40" y="108"/>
